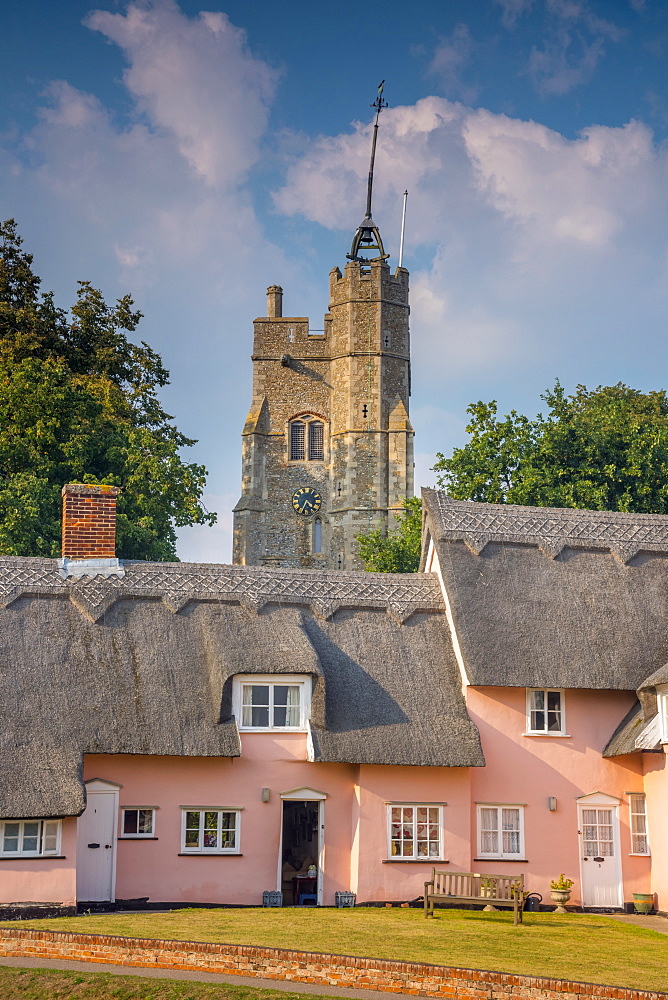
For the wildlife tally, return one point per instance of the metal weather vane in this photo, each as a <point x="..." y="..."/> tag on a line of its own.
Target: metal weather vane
<point x="367" y="235"/>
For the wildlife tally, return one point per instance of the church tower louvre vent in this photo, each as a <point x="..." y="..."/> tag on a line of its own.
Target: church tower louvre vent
<point x="89" y="531"/>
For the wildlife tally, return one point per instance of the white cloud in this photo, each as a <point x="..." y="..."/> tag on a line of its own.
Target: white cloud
<point x="451" y="55"/>
<point x="524" y="245"/>
<point x="195" y="78"/>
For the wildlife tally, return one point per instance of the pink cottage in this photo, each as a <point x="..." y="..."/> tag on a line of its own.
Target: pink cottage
<point x="206" y="733"/>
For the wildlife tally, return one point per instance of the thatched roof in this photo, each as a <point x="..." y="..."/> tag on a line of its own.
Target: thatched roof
<point x="549" y="597"/>
<point x="143" y="665"/>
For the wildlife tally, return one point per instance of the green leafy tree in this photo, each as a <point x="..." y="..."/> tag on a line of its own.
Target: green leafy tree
<point x="398" y="551"/>
<point x="79" y="403"/>
<point x="604" y="449"/>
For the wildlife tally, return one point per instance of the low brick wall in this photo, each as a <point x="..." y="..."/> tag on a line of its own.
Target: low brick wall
<point x="302" y="966"/>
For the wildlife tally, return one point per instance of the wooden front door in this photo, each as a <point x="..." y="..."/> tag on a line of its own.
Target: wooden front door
<point x="600" y="869"/>
<point x="96" y="844"/>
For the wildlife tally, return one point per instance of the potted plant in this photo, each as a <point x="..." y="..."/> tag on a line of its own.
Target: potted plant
<point x="560" y="891"/>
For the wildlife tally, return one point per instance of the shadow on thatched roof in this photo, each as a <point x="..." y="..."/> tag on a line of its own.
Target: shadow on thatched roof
<point x="143" y="665"/>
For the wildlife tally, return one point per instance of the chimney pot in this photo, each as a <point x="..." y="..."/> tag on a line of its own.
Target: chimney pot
<point x="274" y="302"/>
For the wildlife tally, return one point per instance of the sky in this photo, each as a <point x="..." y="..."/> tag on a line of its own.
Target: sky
<point x="193" y="156"/>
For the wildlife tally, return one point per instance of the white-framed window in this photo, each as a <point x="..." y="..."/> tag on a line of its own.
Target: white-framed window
<point x="545" y="712"/>
<point x="500" y="831"/>
<point x="306" y="436"/>
<point x="210" y="831"/>
<point x="29" y="838"/>
<point x="662" y="709"/>
<point x="415" y="831"/>
<point x="272" y="702"/>
<point x="137" y="822"/>
<point x="638" y="823"/>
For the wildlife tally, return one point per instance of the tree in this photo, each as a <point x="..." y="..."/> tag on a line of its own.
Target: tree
<point x="604" y="449"/>
<point x="79" y="403"/>
<point x="399" y="550"/>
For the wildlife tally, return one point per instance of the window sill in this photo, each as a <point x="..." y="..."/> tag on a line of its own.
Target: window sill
<point x="32" y="857"/>
<point x="271" y="729"/>
<point x="634" y="854"/>
<point x="512" y="861"/>
<point x="131" y="836"/>
<point x="551" y="736"/>
<point x="209" y="854"/>
<point x="414" y="861"/>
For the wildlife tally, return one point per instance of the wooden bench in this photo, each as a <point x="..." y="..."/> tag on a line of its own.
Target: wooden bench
<point x="467" y="887"/>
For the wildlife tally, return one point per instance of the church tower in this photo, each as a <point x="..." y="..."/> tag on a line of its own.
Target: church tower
<point x="327" y="449"/>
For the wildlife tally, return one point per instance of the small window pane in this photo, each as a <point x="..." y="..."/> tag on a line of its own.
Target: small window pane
<point x="50" y="838"/>
<point x="316" y="450"/>
<point x="228" y="830"/>
<point x="639" y="841"/>
<point x="130" y="821"/>
<point x="145" y="824"/>
<point x="317" y="536"/>
<point x="297" y="438"/>
<point x="255" y="708"/>
<point x="10" y="842"/>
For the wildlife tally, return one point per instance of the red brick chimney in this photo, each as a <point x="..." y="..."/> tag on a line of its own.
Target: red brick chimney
<point x="89" y="521"/>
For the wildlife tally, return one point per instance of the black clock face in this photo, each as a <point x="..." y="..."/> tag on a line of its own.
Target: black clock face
<point x="306" y="501"/>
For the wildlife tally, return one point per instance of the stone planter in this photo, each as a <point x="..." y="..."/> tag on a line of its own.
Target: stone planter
<point x="643" y="902"/>
<point x="560" y="897"/>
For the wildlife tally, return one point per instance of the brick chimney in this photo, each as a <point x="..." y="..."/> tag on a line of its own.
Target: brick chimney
<point x="89" y="529"/>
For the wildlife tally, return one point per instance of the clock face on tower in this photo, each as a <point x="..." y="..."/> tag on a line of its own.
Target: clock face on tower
<point x="306" y="501"/>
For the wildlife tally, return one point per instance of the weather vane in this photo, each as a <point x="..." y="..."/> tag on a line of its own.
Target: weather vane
<point x="367" y="236"/>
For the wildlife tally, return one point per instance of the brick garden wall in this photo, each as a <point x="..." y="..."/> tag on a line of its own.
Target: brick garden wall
<point x="306" y="967"/>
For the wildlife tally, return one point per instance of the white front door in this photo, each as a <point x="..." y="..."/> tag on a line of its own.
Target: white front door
<point x="96" y="844"/>
<point x="600" y="869"/>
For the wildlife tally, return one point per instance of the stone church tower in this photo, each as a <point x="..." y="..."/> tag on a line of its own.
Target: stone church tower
<point x="327" y="449"/>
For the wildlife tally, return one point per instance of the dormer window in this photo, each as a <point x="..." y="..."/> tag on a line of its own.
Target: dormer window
<point x="275" y="702"/>
<point x="307" y="440"/>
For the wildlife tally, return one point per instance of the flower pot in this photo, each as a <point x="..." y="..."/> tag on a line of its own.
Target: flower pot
<point x="643" y="902"/>
<point x="560" y="896"/>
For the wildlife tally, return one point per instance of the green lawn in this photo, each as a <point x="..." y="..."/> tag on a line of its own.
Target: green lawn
<point x="50" y="984"/>
<point x="583" y="947"/>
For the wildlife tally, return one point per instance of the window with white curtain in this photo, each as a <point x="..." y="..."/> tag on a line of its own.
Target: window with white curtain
<point x="29" y="837"/>
<point x="545" y="712"/>
<point x="272" y="702"/>
<point x="500" y="831"/>
<point x="638" y="823"/>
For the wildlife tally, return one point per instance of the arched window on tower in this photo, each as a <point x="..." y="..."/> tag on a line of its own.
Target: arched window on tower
<point x="297" y="441"/>
<point x="316" y="442"/>
<point x="306" y="436"/>
<point x="317" y="536"/>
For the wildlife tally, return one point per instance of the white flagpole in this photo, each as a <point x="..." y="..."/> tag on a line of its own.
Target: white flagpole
<point x="403" y="229"/>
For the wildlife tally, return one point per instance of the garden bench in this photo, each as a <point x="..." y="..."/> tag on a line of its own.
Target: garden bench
<point x="467" y="887"/>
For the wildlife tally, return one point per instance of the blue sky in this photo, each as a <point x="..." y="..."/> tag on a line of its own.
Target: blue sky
<point x="193" y="155"/>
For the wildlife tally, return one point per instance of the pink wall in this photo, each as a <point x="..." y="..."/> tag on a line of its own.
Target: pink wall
<point x="43" y="880"/>
<point x="153" y="867"/>
<point x="656" y="790"/>
<point x="527" y="769"/>
<point x="378" y="878"/>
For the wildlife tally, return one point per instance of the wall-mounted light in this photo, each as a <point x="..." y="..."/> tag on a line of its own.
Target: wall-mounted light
<point x="265" y="795"/>
<point x="552" y="803"/>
